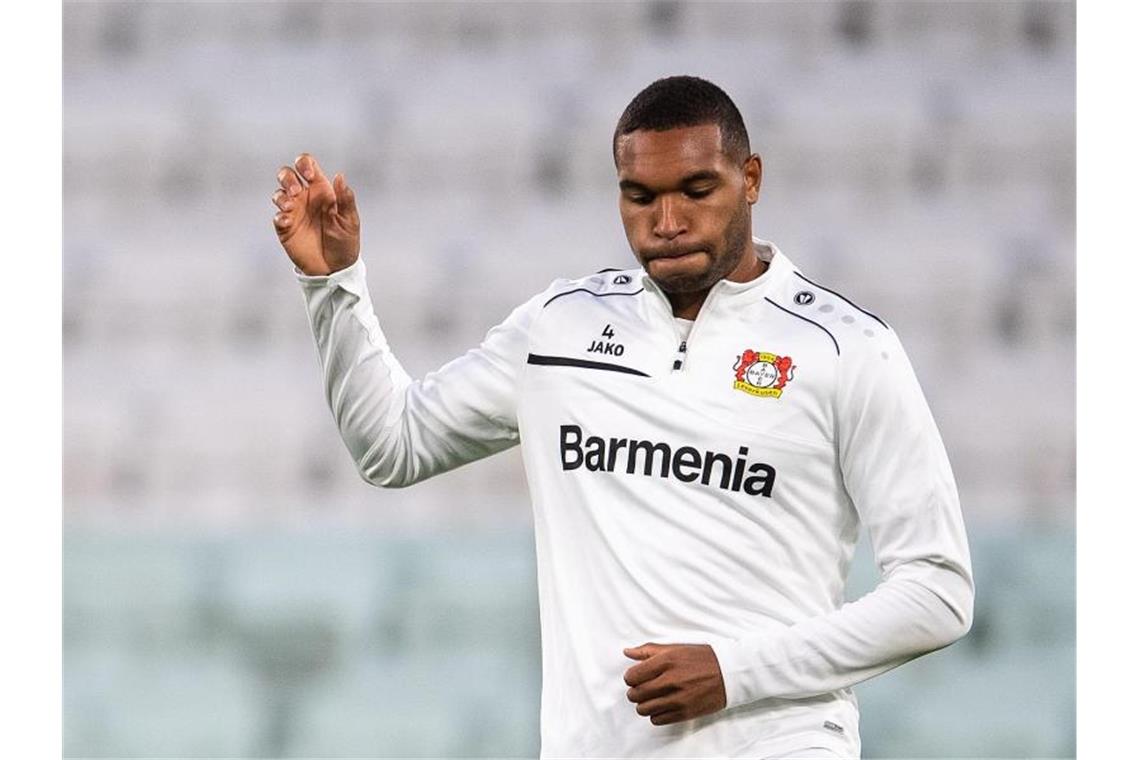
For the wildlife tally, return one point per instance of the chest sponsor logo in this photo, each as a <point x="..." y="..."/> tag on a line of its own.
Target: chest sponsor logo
<point x="652" y="458"/>
<point x="760" y="373"/>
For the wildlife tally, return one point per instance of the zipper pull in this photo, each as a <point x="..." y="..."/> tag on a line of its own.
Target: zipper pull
<point x="680" y="360"/>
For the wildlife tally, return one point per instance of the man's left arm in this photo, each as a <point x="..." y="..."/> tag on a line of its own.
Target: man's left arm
<point x="898" y="476"/>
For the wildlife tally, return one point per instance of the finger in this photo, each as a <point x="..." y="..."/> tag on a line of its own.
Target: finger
<point x="289" y="181"/>
<point x="308" y="168"/>
<point x="646" y="671"/>
<point x="282" y="223"/>
<point x="657" y="706"/>
<point x="651" y="690"/>
<point x="642" y="652"/>
<point x="281" y="200"/>
<point x="665" y="718"/>
<point x="345" y="198"/>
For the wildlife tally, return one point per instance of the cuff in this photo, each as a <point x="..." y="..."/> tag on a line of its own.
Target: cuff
<point x="733" y="661"/>
<point x="351" y="278"/>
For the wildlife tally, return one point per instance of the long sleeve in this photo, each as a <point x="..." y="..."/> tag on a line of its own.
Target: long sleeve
<point x="400" y="431"/>
<point x="898" y="477"/>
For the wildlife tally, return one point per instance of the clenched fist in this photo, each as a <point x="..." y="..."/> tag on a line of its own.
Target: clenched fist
<point x="674" y="682"/>
<point x="317" y="223"/>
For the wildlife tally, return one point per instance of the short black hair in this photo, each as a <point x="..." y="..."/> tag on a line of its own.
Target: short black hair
<point x="685" y="101"/>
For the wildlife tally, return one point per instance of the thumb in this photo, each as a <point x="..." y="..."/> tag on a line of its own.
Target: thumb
<point x="643" y="652"/>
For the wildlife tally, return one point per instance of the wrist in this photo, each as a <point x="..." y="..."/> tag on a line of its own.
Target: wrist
<point x="344" y="276"/>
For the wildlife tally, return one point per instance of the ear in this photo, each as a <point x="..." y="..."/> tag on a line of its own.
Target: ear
<point x="753" y="170"/>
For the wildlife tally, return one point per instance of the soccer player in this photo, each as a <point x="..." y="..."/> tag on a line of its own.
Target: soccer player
<point x="703" y="436"/>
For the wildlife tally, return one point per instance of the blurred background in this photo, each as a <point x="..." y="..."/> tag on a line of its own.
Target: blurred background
<point x="232" y="588"/>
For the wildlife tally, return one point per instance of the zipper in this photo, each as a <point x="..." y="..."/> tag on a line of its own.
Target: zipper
<point x="682" y="352"/>
<point x="679" y="357"/>
<point x="683" y="348"/>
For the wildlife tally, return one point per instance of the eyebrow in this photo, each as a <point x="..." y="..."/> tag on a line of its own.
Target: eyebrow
<point x="699" y="176"/>
<point x="688" y="179"/>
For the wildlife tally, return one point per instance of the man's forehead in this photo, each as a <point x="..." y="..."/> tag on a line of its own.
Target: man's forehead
<point x="683" y="148"/>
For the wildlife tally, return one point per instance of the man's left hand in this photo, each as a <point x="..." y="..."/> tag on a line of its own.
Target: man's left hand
<point x="674" y="682"/>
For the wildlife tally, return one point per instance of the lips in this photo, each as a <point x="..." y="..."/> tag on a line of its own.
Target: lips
<point x="673" y="254"/>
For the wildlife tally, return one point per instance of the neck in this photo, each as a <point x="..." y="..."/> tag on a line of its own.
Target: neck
<point x="688" y="305"/>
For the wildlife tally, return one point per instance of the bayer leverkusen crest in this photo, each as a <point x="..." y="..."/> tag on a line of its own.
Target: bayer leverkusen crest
<point x="762" y="374"/>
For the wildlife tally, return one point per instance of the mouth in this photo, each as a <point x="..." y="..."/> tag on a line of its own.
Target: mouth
<point x="674" y="254"/>
<point x="679" y="263"/>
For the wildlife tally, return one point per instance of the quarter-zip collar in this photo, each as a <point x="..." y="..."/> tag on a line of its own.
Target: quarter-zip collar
<point x="722" y="294"/>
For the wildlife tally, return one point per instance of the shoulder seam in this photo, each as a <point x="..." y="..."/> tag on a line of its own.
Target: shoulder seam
<point x="842" y="297"/>
<point x="809" y="321"/>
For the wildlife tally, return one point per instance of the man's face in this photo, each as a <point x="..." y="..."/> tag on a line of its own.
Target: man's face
<point x="685" y="205"/>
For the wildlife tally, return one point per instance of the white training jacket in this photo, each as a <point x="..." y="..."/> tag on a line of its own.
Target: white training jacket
<point x="701" y="492"/>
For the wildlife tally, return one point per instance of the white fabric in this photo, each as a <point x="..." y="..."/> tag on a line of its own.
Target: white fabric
<point x="741" y="534"/>
<point x="684" y="327"/>
<point x="812" y="753"/>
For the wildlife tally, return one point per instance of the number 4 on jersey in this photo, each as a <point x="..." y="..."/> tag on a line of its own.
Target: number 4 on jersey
<point x="604" y="346"/>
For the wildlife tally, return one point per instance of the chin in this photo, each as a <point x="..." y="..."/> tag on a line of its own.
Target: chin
<point x="685" y="280"/>
<point x="685" y="283"/>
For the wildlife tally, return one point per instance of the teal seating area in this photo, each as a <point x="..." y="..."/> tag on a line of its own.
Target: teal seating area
<point x="352" y="645"/>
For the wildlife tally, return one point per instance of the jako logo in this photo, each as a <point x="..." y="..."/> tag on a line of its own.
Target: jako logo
<point x="686" y="464"/>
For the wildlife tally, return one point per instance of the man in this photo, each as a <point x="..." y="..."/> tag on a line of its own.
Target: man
<point x="702" y="437"/>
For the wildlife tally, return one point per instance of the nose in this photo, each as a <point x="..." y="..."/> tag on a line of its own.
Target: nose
<point x="667" y="224"/>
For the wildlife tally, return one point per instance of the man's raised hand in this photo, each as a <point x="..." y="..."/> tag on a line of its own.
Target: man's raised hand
<point x="316" y="222"/>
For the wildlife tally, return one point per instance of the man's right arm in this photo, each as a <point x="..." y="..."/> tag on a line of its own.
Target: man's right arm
<point x="398" y="430"/>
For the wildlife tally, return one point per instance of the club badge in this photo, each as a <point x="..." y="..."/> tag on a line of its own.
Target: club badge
<point x="762" y="374"/>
